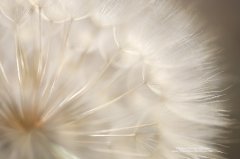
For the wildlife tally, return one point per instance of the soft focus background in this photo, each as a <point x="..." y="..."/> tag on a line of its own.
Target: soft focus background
<point x="223" y="16"/>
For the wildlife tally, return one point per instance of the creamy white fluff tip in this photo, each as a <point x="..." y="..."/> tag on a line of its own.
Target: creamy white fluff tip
<point x="112" y="79"/>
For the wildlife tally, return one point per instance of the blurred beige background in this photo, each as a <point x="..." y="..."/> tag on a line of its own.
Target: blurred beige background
<point x="224" y="17"/>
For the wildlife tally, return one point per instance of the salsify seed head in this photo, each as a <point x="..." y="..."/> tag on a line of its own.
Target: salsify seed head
<point x="107" y="78"/>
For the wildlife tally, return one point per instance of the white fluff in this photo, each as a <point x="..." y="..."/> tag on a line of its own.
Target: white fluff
<point x="107" y="79"/>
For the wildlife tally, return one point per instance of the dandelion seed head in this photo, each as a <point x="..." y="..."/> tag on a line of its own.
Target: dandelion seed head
<point x="110" y="79"/>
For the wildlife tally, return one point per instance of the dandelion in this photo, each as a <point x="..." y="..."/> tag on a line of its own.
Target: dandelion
<point x="109" y="79"/>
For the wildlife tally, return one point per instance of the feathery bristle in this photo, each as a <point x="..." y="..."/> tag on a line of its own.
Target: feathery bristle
<point x="109" y="79"/>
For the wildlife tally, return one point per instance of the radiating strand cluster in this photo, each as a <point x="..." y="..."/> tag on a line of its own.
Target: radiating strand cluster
<point x="90" y="78"/>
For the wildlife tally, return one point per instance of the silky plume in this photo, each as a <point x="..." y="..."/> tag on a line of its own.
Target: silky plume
<point x="108" y="79"/>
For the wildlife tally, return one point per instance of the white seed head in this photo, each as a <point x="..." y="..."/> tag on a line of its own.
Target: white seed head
<point x="107" y="79"/>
